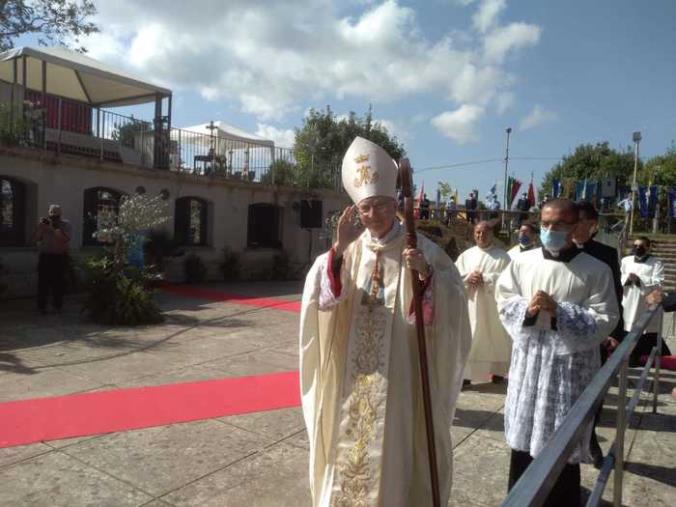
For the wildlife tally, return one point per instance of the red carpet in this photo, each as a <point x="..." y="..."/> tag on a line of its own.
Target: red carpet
<point x="28" y="421"/>
<point x="216" y="295"/>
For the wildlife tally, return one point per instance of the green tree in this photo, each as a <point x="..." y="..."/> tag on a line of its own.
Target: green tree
<point x="54" y="21"/>
<point x="281" y="172"/>
<point x="593" y="162"/>
<point x="323" y="139"/>
<point x="660" y="170"/>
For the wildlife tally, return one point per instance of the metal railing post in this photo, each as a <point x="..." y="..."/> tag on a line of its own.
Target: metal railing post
<point x="621" y="425"/>
<point x="58" y="127"/>
<point x="658" y="357"/>
<point x="103" y="129"/>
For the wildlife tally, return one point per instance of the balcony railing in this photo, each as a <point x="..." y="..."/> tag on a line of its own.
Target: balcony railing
<point x="65" y="126"/>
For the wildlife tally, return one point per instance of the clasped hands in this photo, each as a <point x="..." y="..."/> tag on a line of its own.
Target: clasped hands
<point x="475" y="279"/>
<point x="541" y="301"/>
<point x="633" y="278"/>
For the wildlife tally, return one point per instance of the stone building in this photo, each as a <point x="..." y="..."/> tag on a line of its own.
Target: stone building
<point x="59" y="143"/>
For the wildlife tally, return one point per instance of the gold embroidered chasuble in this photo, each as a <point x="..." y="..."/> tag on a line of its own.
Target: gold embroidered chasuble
<point x="360" y="381"/>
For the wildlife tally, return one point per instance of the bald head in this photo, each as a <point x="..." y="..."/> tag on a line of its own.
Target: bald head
<point x="484" y="225"/>
<point x="483" y="234"/>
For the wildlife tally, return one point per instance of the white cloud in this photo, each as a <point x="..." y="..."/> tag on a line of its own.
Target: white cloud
<point x="508" y="38"/>
<point x="283" y="138"/>
<point x="486" y="17"/>
<point x="395" y="128"/>
<point x="274" y="58"/>
<point x="459" y="125"/>
<point x="536" y="117"/>
<point x="505" y="101"/>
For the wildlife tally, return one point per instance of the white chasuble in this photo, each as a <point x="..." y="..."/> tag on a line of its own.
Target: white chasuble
<point x="360" y="382"/>
<point x="491" y="345"/>
<point x="650" y="273"/>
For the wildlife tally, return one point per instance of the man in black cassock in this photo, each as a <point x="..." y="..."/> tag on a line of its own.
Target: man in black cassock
<point x="584" y="239"/>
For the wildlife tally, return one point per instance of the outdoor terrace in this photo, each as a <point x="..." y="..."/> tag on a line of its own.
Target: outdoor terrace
<point x="57" y="100"/>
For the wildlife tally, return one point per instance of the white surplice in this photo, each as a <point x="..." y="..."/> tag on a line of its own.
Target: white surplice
<point x="518" y="250"/>
<point x="651" y="274"/>
<point x="553" y="361"/>
<point x="360" y="382"/>
<point x="491" y="345"/>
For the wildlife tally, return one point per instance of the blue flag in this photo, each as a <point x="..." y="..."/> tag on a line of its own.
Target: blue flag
<point x="647" y="200"/>
<point x="556" y="188"/>
<point x="585" y="190"/>
<point x="672" y="202"/>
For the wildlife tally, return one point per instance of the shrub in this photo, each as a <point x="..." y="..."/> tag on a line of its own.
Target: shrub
<point x="195" y="270"/>
<point x="118" y="298"/>
<point x="230" y="266"/>
<point x="13" y="126"/>
<point x="284" y="173"/>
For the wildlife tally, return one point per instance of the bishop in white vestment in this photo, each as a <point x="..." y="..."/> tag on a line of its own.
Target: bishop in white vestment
<point x="558" y="303"/>
<point x="360" y="381"/>
<point x="480" y="267"/>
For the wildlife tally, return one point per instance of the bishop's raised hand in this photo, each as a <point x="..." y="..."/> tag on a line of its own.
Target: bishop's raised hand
<point x="349" y="229"/>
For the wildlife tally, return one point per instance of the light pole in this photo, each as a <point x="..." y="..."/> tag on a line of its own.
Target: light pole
<point x="636" y="137"/>
<point x="504" y="199"/>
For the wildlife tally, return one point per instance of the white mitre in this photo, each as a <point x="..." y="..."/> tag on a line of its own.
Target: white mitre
<point x="368" y="170"/>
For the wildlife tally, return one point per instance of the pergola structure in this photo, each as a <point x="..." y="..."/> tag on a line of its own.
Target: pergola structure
<point x="237" y="149"/>
<point x="64" y="73"/>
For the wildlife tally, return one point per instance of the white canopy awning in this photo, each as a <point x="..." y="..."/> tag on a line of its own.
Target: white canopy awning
<point x="76" y="76"/>
<point x="222" y="130"/>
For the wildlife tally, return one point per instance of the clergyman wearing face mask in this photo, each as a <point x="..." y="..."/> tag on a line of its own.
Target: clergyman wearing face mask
<point x="526" y="240"/>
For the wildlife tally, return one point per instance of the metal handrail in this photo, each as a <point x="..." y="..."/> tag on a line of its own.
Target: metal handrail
<point x="539" y="478"/>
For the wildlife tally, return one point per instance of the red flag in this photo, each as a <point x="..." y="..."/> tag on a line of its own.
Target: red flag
<point x="416" y="210"/>
<point x="532" y="195"/>
<point x="516" y="185"/>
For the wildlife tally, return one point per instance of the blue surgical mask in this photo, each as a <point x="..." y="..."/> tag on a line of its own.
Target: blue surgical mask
<point x="524" y="240"/>
<point x="553" y="241"/>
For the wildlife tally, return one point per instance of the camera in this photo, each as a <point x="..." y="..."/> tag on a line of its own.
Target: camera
<point x="51" y="221"/>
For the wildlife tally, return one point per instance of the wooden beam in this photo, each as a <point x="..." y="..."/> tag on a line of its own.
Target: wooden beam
<point x="108" y="103"/>
<point x="84" y="90"/>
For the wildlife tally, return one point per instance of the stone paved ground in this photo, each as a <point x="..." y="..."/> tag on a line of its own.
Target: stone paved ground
<point x="246" y="460"/>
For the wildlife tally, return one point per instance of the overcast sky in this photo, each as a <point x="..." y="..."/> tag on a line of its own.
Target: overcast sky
<point x="446" y="76"/>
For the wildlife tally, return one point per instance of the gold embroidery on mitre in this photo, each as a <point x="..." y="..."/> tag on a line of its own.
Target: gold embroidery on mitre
<point x="364" y="176"/>
<point x="359" y="159"/>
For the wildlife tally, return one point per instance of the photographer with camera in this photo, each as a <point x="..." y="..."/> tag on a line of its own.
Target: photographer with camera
<point x="52" y="237"/>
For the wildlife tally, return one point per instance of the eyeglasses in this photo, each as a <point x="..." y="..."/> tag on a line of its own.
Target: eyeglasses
<point x="378" y="206"/>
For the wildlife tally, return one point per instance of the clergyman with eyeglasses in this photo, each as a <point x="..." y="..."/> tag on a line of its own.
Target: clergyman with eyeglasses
<point x="360" y="383"/>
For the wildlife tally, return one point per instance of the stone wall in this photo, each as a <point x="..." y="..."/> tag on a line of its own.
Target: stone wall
<point x="63" y="179"/>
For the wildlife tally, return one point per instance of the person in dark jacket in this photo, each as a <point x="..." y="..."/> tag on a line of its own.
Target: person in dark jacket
<point x="584" y="239"/>
<point x="523" y="205"/>
<point x="471" y="205"/>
